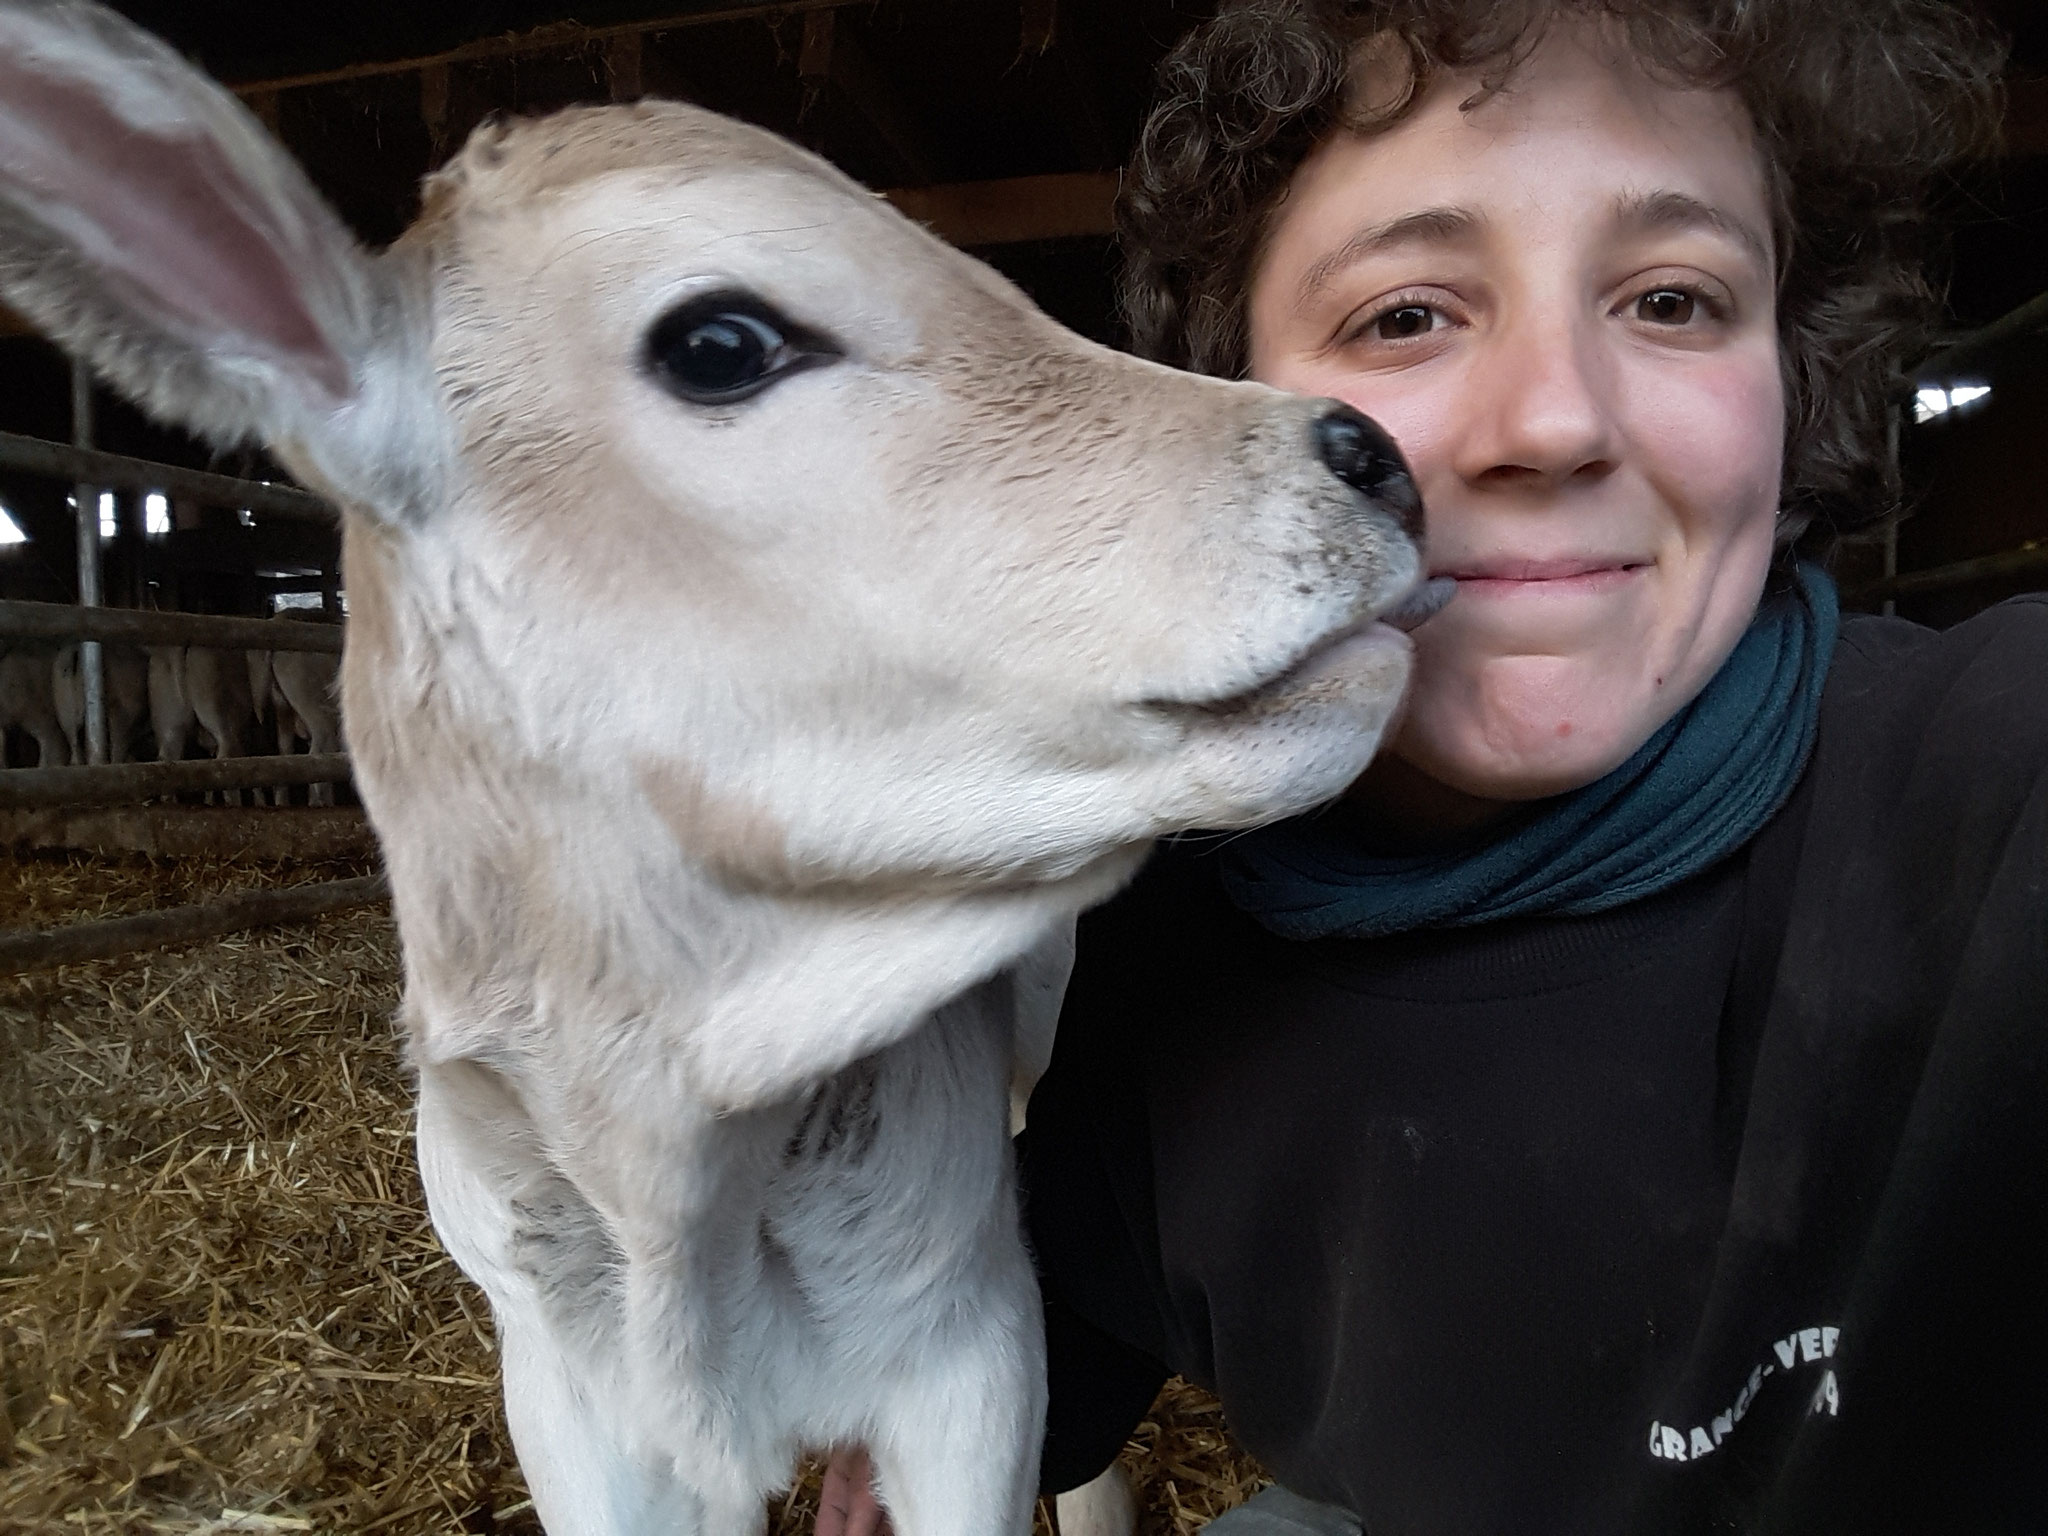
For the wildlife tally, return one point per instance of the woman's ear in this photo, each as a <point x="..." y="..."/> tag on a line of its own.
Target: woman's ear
<point x="150" y="225"/>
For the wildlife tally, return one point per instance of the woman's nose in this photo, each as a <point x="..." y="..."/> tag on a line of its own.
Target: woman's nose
<point x="1541" y="407"/>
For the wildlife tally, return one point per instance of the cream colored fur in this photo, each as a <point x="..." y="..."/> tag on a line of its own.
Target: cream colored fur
<point x="726" y="759"/>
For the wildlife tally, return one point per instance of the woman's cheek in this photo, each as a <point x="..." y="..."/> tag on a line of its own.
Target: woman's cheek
<point x="1710" y="435"/>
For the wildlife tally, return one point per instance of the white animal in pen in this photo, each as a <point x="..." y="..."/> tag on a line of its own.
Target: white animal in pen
<point x="767" y="630"/>
<point x="28" y="703"/>
<point x="124" y="677"/>
<point x="200" y="691"/>
<point x="297" y="692"/>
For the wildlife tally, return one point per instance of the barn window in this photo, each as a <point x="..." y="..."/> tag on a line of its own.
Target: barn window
<point x="156" y="513"/>
<point x="1932" y="400"/>
<point x="108" y="526"/>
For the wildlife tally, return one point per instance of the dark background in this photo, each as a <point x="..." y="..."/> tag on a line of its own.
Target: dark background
<point x="920" y="92"/>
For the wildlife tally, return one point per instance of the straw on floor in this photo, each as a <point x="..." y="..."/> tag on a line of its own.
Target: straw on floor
<point x="221" y="1306"/>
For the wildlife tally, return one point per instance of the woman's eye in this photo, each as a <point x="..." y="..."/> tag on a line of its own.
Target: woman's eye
<point x="725" y="347"/>
<point x="1404" y="322"/>
<point x="1667" y="306"/>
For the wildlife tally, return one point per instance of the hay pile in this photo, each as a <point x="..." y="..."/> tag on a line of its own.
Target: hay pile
<point x="221" y="1306"/>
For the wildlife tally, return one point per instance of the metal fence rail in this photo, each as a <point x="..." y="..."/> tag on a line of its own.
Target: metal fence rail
<point x="138" y="626"/>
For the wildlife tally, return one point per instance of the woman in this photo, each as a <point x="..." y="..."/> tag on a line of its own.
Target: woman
<point x="1624" y="1111"/>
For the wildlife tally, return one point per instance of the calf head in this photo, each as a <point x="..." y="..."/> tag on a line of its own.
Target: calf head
<point x="687" y="480"/>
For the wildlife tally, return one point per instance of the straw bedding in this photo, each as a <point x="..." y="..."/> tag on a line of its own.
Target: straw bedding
<point x="221" y="1306"/>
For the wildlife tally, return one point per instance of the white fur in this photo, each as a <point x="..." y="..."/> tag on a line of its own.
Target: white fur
<point x="726" y="760"/>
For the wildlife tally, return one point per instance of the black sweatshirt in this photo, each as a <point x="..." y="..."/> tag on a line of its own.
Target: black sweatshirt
<point x="1725" y="1211"/>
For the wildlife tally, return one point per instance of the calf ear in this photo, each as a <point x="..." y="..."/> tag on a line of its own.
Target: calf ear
<point x="150" y="225"/>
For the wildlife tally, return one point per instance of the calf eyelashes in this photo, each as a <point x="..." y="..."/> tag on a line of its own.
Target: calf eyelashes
<point x="722" y="348"/>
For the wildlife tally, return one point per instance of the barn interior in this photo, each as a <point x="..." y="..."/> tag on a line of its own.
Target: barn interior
<point x="220" y="1306"/>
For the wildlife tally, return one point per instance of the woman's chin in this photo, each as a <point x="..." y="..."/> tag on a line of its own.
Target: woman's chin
<point x="1554" y="758"/>
<point x="1527" y="725"/>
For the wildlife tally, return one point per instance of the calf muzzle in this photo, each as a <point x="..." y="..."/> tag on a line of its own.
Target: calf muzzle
<point x="1361" y="454"/>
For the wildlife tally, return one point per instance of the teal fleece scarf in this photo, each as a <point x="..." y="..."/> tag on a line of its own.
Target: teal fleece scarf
<point x="1692" y="794"/>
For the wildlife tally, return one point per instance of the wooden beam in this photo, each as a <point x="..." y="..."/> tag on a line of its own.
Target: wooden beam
<point x="194" y="831"/>
<point x="26" y="951"/>
<point x="555" y="37"/>
<point x="133" y="783"/>
<point x="2029" y="558"/>
<point x="1007" y="212"/>
<point x="92" y="466"/>
<point x="1973" y="348"/>
<point x="136" y="626"/>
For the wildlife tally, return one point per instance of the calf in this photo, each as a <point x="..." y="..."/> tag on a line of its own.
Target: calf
<point x="27" y="702"/>
<point x="298" y="689"/>
<point x="768" y="629"/>
<point x="124" y="676"/>
<point x="199" y="687"/>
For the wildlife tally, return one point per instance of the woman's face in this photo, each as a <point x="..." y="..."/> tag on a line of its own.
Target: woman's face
<point x="1561" y="305"/>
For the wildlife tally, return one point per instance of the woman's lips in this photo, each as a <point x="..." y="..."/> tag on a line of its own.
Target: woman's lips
<point x="1503" y="578"/>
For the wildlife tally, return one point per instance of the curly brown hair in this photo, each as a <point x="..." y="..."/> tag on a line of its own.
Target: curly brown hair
<point x="1863" y="110"/>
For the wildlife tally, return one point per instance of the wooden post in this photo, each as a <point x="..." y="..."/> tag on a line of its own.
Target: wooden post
<point x="622" y="66"/>
<point x="833" y="56"/>
<point x="1892" y="421"/>
<point x="91" y="669"/>
<point x="25" y="951"/>
<point x="814" y="58"/>
<point x="434" y="106"/>
<point x="1040" y="26"/>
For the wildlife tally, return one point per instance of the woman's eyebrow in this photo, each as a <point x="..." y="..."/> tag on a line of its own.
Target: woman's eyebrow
<point x="1426" y="226"/>
<point x="1648" y="211"/>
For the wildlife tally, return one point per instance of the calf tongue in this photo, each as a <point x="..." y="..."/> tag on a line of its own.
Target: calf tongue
<point x="1425" y="602"/>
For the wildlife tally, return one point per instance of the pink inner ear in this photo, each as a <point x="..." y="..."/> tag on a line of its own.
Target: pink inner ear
<point x="184" y="232"/>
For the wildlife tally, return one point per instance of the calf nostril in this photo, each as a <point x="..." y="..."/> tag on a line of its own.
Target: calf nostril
<point x="1360" y="454"/>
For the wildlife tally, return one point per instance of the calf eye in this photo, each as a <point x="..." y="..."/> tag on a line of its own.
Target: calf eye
<point x="724" y="347"/>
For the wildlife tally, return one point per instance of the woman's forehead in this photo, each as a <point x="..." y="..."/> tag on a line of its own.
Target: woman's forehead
<point x="1579" y="125"/>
